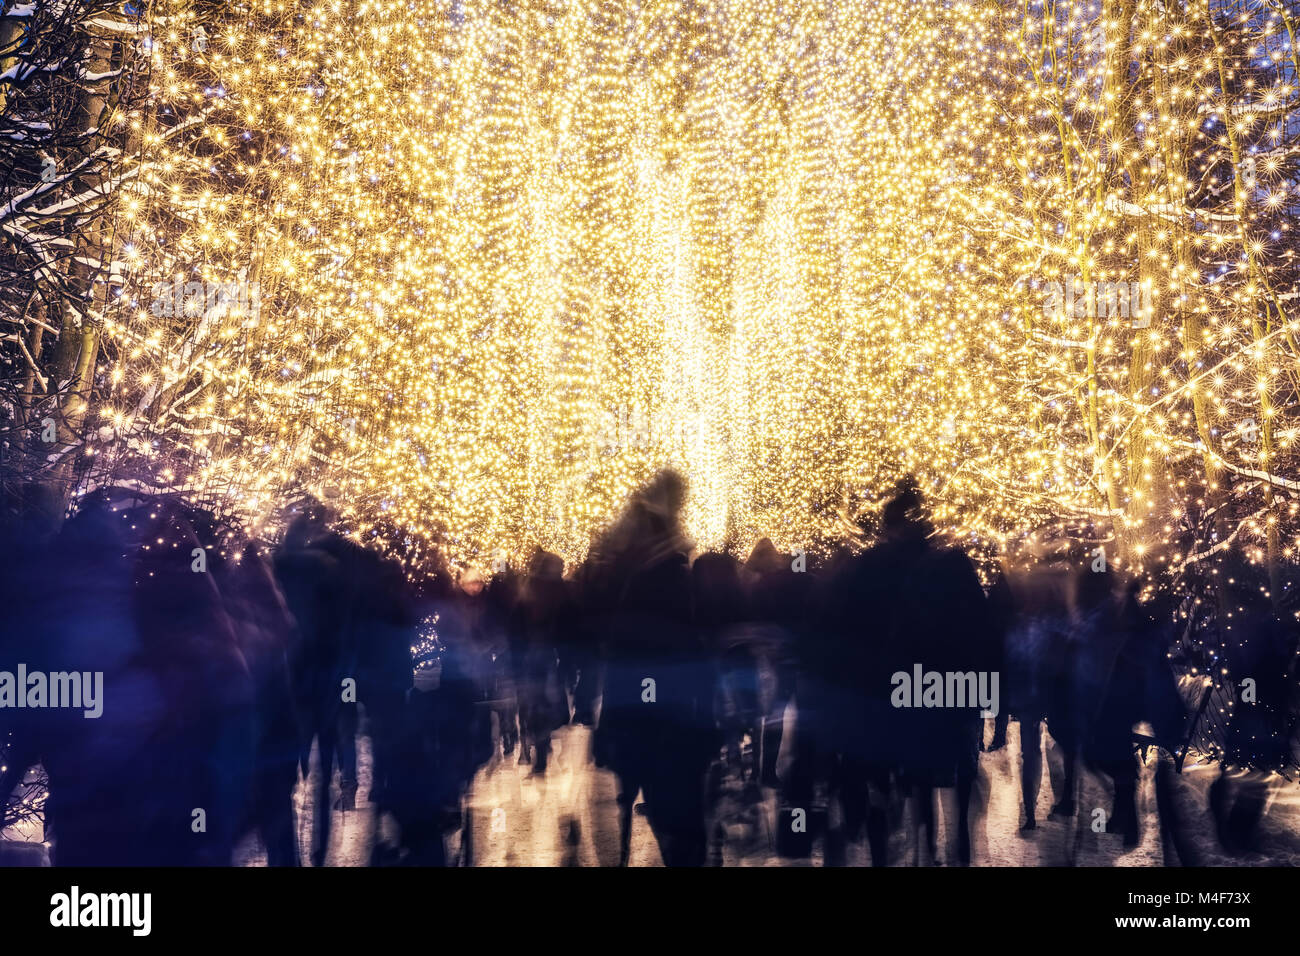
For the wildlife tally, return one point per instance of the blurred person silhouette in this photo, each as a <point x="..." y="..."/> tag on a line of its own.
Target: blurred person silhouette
<point x="578" y="635"/>
<point x="1109" y="690"/>
<point x="264" y="628"/>
<point x="1078" y="668"/>
<point x="115" y="594"/>
<point x="915" y="602"/>
<point x="862" y="726"/>
<point x="477" y="615"/>
<point x="445" y="738"/>
<point x="776" y="603"/>
<point x="312" y="580"/>
<point x="780" y="608"/>
<point x="1083" y="657"/>
<point x="718" y="610"/>
<point x="1259" y="735"/>
<point x="1031" y="603"/>
<point x="656" y="728"/>
<point x="355" y="621"/>
<point x="535" y="635"/>
<point x="719" y="606"/>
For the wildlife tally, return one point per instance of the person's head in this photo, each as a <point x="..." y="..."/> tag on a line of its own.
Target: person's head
<point x="307" y="521"/>
<point x="545" y="566"/>
<point x="765" y="559"/>
<point x="666" y="493"/>
<point x="904" y="515"/>
<point x="472" y="581"/>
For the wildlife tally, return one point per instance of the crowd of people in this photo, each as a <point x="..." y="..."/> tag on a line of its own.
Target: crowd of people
<point x="221" y="685"/>
<point x="690" y="666"/>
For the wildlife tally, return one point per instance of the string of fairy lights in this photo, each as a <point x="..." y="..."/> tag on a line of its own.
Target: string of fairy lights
<point x="508" y="259"/>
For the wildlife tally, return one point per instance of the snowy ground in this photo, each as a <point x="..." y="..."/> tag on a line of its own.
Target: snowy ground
<point x="568" y="816"/>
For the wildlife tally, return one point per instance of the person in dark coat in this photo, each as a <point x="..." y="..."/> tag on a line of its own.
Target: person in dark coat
<point x="1031" y="604"/>
<point x="656" y="726"/>
<point x="479" y="613"/>
<point x="265" y="628"/>
<point x="539" y="614"/>
<point x="718" y="606"/>
<point x="856" y="689"/>
<point x="778" y="598"/>
<point x="355" y="622"/>
<point x="162" y="775"/>
<point x="910" y="601"/>
<point x="312" y="581"/>
<point x="441" y="747"/>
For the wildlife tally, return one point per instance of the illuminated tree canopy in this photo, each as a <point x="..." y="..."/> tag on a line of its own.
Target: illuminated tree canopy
<point x="481" y="268"/>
